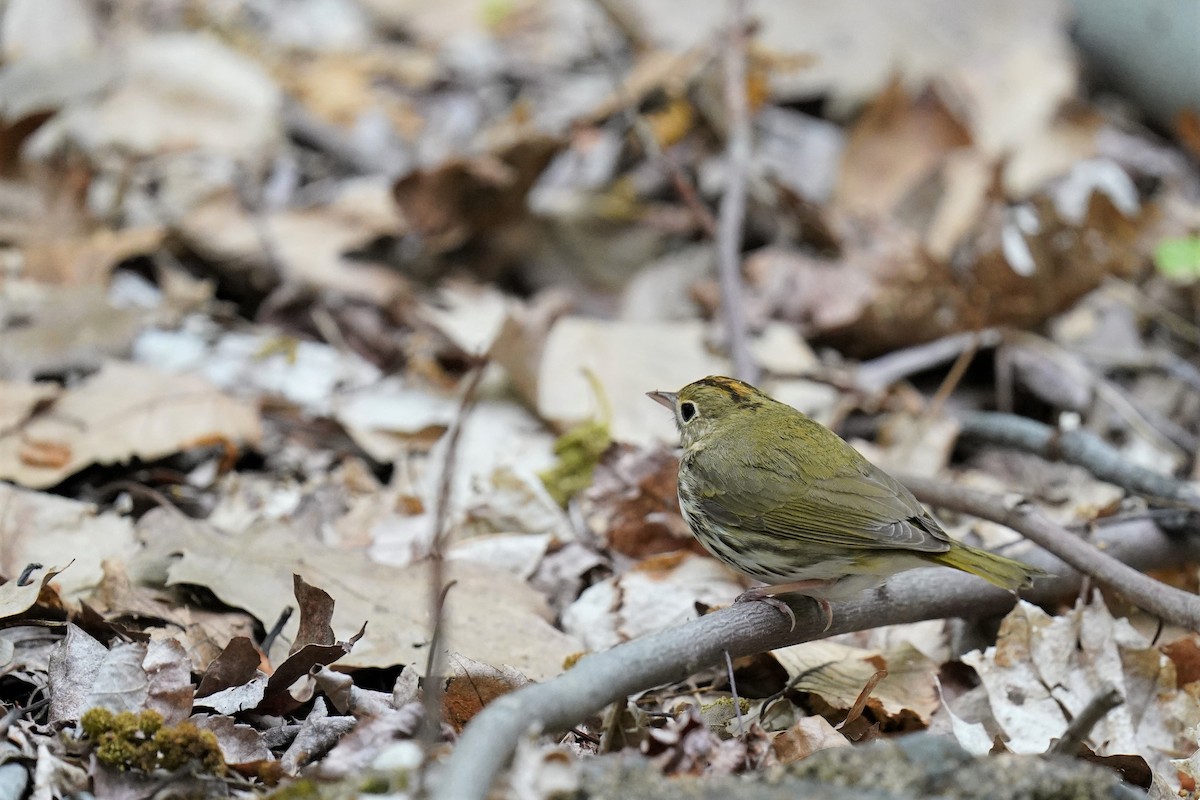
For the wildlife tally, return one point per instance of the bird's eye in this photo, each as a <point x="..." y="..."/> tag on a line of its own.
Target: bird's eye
<point x="687" y="410"/>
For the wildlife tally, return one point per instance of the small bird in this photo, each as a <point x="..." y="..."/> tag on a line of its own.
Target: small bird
<point x="783" y="499"/>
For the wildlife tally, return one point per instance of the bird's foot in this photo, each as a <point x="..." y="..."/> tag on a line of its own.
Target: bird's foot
<point x="766" y="594"/>
<point x="758" y="595"/>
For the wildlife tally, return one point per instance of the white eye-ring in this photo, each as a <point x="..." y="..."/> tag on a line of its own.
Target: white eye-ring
<point x="687" y="410"/>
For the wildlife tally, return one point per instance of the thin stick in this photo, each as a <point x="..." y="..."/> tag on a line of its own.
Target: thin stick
<point x="733" y="203"/>
<point x="1077" y="447"/>
<point x="953" y="377"/>
<point x="1077" y="732"/>
<point x="737" y="703"/>
<point x="269" y="640"/>
<point x="601" y="678"/>
<point x="876" y="375"/>
<point x="431" y="728"/>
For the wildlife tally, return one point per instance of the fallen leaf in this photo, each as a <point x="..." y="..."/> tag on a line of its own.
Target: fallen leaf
<point x="661" y="592"/>
<point x="1044" y="668"/>
<point x="316" y="613"/>
<point x="240" y="744"/>
<point x="451" y="203"/>
<point x="471" y="685"/>
<point x="18" y="399"/>
<point x="894" y="146"/>
<point x="169" y="680"/>
<point x="87" y="259"/>
<point x="84" y="674"/>
<point x="102" y="420"/>
<point x="837" y="674"/>
<point x="63" y="328"/>
<point x="491" y="616"/>
<point x="633" y="505"/>
<point x="308" y="246"/>
<point x="178" y="92"/>
<point x="18" y="596"/>
<point x="38" y="528"/>
<point x="237" y="664"/>
<point x="629" y="359"/>
<point x="806" y="737"/>
<point x="318" y="734"/>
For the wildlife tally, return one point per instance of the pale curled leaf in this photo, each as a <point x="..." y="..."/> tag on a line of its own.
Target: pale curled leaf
<point x="1043" y="668"/>
<point x="838" y="673"/>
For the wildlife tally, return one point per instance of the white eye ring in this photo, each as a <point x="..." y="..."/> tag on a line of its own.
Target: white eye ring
<point x="687" y="411"/>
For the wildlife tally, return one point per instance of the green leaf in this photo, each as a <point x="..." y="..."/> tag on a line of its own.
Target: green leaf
<point x="1179" y="259"/>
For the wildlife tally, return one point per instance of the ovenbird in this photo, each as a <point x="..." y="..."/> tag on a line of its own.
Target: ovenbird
<point x="783" y="499"/>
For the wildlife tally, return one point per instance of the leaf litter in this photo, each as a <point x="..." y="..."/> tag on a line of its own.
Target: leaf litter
<point x="250" y="255"/>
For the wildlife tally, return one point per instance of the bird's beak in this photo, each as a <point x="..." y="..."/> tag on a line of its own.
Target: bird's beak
<point x="666" y="399"/>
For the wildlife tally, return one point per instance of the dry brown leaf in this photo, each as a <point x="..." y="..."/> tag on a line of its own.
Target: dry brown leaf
<point x="897" y="143"/>
<point x="240" y="744"/>
<point x="237" y="664"/>
<point x="21" y="591"/>
<point x="806" y="737"/>
<point x="886" y="292"/>
<point x="169" y="688"/>
<point x="203" y="633"/>
<point x="178" y="92"/>
<point x="84" y="673"/>
<point x="491" y="616"/>
<point x="316" y="613"/>
<point x="837" y="673"/>
<point x="307" y="246"/>
<point x="87" y="259"/>
<point x="124" y="412"/>
<point x="18" y="399"/>
<point x="472" y="685"/>
<point x="1185" y="654"/>
<point x="462" y="198"/>
<point x="633" y="506"/>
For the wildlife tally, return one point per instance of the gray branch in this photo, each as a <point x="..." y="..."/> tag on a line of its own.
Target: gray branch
<point x="598" y="679"/>
<point x="1166" y="602"/>
<point x="1077" y="447"/>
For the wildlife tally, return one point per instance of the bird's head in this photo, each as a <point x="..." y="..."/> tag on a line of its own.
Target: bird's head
<point x="709" y="404"/>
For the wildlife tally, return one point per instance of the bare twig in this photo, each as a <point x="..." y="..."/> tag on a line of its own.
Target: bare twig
<point x="733" y="202"/>
<point x="269" y="640"/>
<point x="1077" y="732"/>
<point x="878" y="374"/>
<point x="1077" y="447"/>
<point x="953" y="377"/>
<point x="744" y="628"/>
<point x="431" y="727"/>
<point x="737" y="703"/>
<point x="1162" y="432"/>
<point x="1163" y="601"/>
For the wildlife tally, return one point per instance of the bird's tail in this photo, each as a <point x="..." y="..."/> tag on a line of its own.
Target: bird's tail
<point x="996" y="570"/>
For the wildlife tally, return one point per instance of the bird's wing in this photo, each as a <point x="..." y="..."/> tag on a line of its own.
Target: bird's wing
<point x="858" y="507"/>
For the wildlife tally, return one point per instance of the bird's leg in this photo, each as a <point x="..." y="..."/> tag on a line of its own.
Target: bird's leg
<point x="766" y="594"/>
